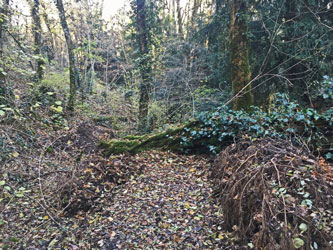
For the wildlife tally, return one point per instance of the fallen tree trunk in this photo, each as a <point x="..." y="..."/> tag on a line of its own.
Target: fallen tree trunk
<point x="169" y="140"/>
<point x="212" y="135"/>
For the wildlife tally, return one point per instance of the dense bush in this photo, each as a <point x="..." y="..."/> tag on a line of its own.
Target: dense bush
<point x="283" y="120"/>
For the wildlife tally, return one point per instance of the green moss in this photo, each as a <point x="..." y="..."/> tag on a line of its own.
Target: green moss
<point x="163" y="141"/>
<point x="134" y="137"/>
<point x="169" y="140"/>
<point x="117" y="146"/>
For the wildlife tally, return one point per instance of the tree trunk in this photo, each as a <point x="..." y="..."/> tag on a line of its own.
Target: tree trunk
<point x="3" y="27"/>
<point x="51" y="37"/>
<point x="179" y="19"/>
<point x="73" y="72"/>
<point x="37" y="31"/>
<point x="196" y="5"/>
<point x="145" y="64"/>
<point x="239" y="56"/>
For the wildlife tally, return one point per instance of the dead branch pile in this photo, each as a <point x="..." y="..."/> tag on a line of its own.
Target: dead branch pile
<point x="94" y="177"/>
<point x="85" y="137"/>
<point x="83" y="172"/>
<point x="274" y="195"/>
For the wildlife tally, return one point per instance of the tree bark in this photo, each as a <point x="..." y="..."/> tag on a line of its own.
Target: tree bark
<point x="3" y="27"/>
<point x="179" y="20"/>
<point x="51" y="51"/>
<point x="196" y="5"/>
<point x="145" y="64"/>
<point x="239" y="56"/>
<point x="73" y="72"/>
<point x="37" y="31"/>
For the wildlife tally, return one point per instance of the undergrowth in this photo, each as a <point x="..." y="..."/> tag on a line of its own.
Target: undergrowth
<point x="284" y="119"/>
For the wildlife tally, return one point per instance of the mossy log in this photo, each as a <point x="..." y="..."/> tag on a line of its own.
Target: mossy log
<point x="171" y="140"/>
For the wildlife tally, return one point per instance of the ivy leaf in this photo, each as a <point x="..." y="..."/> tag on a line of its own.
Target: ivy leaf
<point x="250" y="245"/>
<point x="58" y="109"/>
<point x="306" y="195"/>
<point x="15" y="154"/>
<point x="2" y="113"/>
<point x="329" y="156"/>
<point x="315" y="245"/>
<point x="298" y="243"/>
<point x="303" y="227"/>
<point x="2" y="183"/>
<point x="307" y="203"/>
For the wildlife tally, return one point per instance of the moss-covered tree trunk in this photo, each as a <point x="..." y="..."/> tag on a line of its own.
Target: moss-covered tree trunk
<point x="145" y="63"/>
<point x="73" y="72"/>
<point x="239" y="56"/>
<point x="3" y="26"/>
<point x="37" y="31"/>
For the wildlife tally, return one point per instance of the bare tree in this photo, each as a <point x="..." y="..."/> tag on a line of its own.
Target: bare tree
<point x="37" y="31"/>
<point x="74" y="76"/>
<point x="145" y="66"/>
<point x="3" y="27"/>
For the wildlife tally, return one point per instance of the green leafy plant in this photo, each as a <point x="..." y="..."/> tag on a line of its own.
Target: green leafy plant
<point x="58" y="114"/>
<point x="5" y="110"/>
<point x="285" y="119"/>
<point x="327" y="92"/>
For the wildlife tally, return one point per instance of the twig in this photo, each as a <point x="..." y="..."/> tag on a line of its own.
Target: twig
<point x="283" y="199"/>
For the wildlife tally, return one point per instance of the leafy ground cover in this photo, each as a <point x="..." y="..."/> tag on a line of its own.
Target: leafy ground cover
<point x="169" y="206"/>
<point x="60" y="192"/>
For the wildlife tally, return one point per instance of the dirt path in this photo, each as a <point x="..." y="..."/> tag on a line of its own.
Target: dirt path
<point x="169" y="206"/>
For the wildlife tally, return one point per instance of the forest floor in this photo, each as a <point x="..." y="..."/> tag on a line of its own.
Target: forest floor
<point x="169" y="206"/>
<point x="59" y="192"/>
